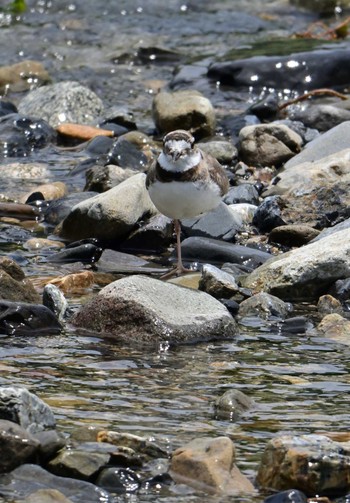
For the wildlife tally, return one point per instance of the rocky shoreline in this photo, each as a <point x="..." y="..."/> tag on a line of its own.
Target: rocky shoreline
<point x="279" y="238"/>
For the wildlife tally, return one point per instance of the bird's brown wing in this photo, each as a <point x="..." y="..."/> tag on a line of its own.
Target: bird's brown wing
<point x="151" y="174"/>
<point x="217" y="173"/>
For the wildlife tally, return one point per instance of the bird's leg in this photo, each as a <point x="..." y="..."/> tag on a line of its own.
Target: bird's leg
<point x="179" y="269"/>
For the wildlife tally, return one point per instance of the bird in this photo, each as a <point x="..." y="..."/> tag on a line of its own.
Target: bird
<point x="184" y="182"/>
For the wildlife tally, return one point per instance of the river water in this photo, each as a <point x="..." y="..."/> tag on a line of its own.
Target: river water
<point x="300" y="383"/>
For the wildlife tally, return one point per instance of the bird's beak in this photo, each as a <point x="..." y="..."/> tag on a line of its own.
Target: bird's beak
<point x="175" y="154"/>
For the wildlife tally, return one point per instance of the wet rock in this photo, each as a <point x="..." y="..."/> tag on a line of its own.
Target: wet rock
<point x="54" y="299"/>
<point x="20" y="406"/>
<point x="62" y="102"/>
<point x="118" y="480"/>
<point x="336" y="327"/>
<point x="321" y="6"/>
<point x="153" y="237"/>
<point x="293" y="235"/>
<point x="306" y="272"/>
<point x="302" y="462"/>
<point x="220" y="223"/>
<point x="331" y="142"/>
<point x="341" y="289"/>
<point x="243" y="193"/>
<point x="74" y="283"/>
<point x="20" y="135"/>
<point x="78" y="464"/>
<point x="54" y="190"/>
<point x="141" y="309"/>
<point x="187" y="109"/>
<point x="25" y="171"/>
<point x="60" y="208"/>
<point x="20" y="76"/>
<point x="231" y="305"/>
<point x="232" y="404"/>
<point x="327" y="304"/>
<point x="290" y="496"/>
<point x="29" y="478"/>
<point x="208" y="464"/>
<point x="216" y="251"/>
<point x="322" y="117"/>
<point x="306" y="134"/>
<point x="19" y="211"/>
<point x="267" y="108"/>
<point x="20" y="318"/>
<point x="268" y="215"/>
<point x="265" y="306"/>
<point x="295" y="325"/>
<point x="86" y="253"/>
<point x="126" y="154"/>
<point x="50" y="443"/>
<point x="112" y="261"/>
<point x="14" y="286"/>
<point x="314" y="69"/>
<point x="103" y="178"/>
<point x="42" y="244"/>
<point x="140" y="445"/>
<point x="223" y="151"/>
<point x="47" y="496"/>
<point x="7" y="107"/>
<point x="217" y="283"/>
<point x="102" y="218"/>
<point x="268" y="144"/>
<point x="17" y="445"/>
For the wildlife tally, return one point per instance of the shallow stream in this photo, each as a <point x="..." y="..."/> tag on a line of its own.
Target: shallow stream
<point x="300" y="383"/>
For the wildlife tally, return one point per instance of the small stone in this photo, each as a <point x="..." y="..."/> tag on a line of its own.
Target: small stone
<point x="47" y="496"/>
<point x="327" y="304"/>
<point x="217" y="283"/>
<point x="42" y="244"/>
<point x="118" y="480"/>
<point x="186" y="109"/>
<point x="78" y="464"/>
<point x="243" y="193"/>
<point x="20" y="76"/>
<point x="54" y="299"/>
<point x="232" y="404"/>
<point x="290" y="496"/>
<point x="336" y="327"/>
<point x="74" y="283"/>
<point x="265" y="306"/>
<point x="140" y="445"/>
<point x="21" y="318"/>
<point x="13" y="284"/>
<point x="293" y="235"/>
<point x="223" y="151"/>
<point x="208" y="464"/>
<point x="268" y="215"/>
<point x="103" y="178"/>
<point x="50" y="191"/>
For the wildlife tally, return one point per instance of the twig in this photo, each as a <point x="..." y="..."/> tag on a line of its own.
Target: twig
<point x="314" y="92"/>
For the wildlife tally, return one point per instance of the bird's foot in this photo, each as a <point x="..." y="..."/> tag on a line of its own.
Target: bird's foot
<point x="177" y="271"/>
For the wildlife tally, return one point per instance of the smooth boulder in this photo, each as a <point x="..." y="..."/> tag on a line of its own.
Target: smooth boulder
<point x="144" y="310"/>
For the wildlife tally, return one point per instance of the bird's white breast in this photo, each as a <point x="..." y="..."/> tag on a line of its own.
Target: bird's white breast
<point x="184" y="199"/>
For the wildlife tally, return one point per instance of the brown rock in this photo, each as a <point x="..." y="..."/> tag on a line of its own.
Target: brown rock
<point x="187" y="109"/>
<point x="53" y="190"/>
<point x="47" y="496"/>
<point x="74" y="283"/>
<point x="334" y="326"/>
<point x="327" y="304"/>
<point x="20" y="76"/>
<point x="293" y="234"/>
<point x="13" y="284"/>
<point x="313" y="464"/>
<point x="207" y="464"/>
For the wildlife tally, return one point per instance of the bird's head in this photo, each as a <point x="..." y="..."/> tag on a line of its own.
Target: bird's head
<point x="178" y="145"/>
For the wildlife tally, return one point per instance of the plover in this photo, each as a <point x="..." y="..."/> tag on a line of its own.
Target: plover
<point x="184" y="182"/>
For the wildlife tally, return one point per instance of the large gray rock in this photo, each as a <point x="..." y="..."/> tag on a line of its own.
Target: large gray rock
<point x="304" y="273"/>
<point x="208" y="464"/>
<point x="268" y="144"/>
<point x="62" y="102"/>
<point x="184" y="110"/>
<point x="314" y="464"/>
<point x="149" y="311"/>
<point x="111" y="215"/>
<point x="331" y="142"/>
<point x="16" y="445"/>
<point x="17" y="404"/>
